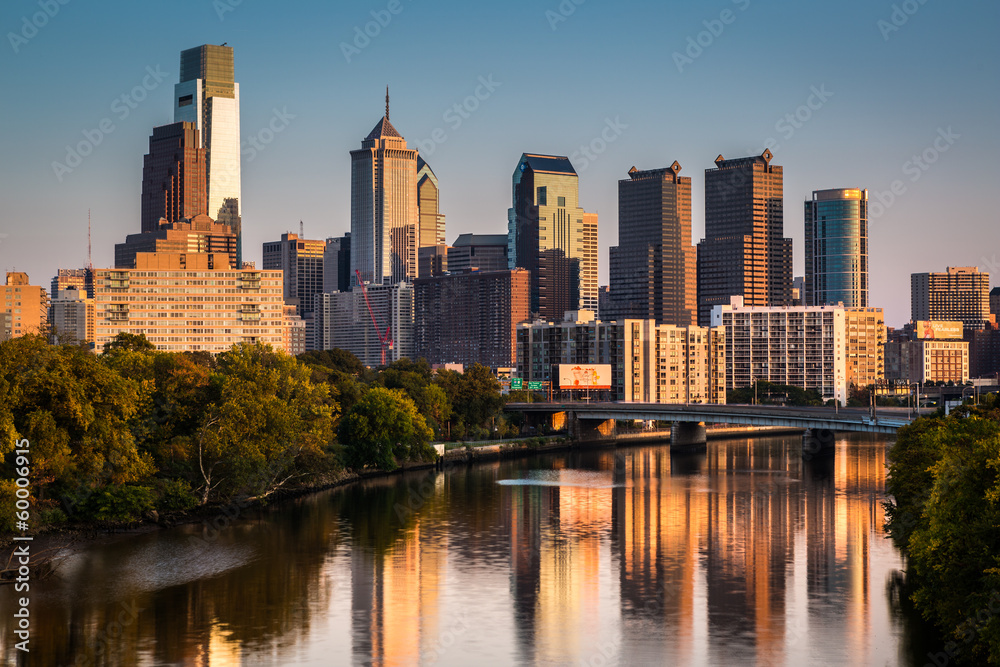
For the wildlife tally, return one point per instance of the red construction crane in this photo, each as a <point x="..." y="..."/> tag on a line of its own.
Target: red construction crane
<point x="385" y="340"/>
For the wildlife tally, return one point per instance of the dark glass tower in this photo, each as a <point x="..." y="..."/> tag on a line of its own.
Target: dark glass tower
<point x="744" y="252"/>
<point x="836" y="226"/>
<point x="652" y="269"/>
<point x="173" y="176"/>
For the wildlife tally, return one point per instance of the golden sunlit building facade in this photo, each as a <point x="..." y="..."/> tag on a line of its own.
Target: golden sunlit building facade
<point x="24" y="307"/>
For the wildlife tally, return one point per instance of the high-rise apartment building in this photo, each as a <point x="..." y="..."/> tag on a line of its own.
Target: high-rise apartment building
<point x="961" y="294"/>
<point x="26" y="306"/>
<point x="208" y="96"/>
<point x="836" y="226"/>
<point x="173" y="176"/>
<point x="385" y="217"/>
<point x="865" y="346"/>
<point x="469" y="318"/>
<point x="198" y="234"/>
<point x="337" y="264"/>
<point x="82" y="279"/>
<point x="927" y="361"/>
<point x="799" y="346"/>
<point x="342" y="320"/>
<point x="547" y="235"/>
<point x="185" y="302"/>
<point x="431" y="232"/>
<point x="301" y="264"/>
<point x="653" y="269"/>
<point x="744" y="252"/>
<point x="650" y="362"/>
<point x="478" y="252"/>
<point x="71" y="314"/>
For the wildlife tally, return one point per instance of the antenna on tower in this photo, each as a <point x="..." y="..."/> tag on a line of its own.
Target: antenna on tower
<point x="90" y="265"/>
<point x="387" y="102"/>
<point x="302" y="229"/>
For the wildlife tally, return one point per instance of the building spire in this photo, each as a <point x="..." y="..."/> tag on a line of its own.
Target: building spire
<point x="387" y="102"/>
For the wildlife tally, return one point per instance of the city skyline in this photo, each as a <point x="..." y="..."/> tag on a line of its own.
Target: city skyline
<point x="826" y="125"/>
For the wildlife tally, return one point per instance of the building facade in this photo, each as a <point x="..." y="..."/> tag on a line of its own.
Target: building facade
<point x="82" y="279"/>
<point x="342" y="320"/>
<point x="653" y="273"/>
<point x="431" y="232"/>
<point x="199" y="234"/>
<point x="71" y="314"/>
<point x="469" y="318"/>
<point x="926" y="361"/>
<point x="173" y="176"/>
<point x="744" y="252"/>
<point x="385" y="215"/>
<point x="961" y="294"/>
<point x="804" y="347"/>
<point x="337" y="264"/>
<point x="650" y="362"/>
<point x="865" y="340"/>
<point x="208" y="96"/>
<point x="26" y="306"/>
<point x="836" y="243"/>
<point x="301" y="264"/>
<point x="478" y="252"/>
<point x="189" y="302"/>
<point x="546" y="234"/>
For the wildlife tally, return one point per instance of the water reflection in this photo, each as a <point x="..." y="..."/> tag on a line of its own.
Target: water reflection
<point x="736" y="553"/>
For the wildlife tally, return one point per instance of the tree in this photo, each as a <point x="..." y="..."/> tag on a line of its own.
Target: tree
<point x="475" y="394"/>
<point x="128" y="341"/>
<point x="382" y="427"/>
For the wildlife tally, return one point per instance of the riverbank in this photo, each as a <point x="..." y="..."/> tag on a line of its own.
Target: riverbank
<point x="70" y="537"/>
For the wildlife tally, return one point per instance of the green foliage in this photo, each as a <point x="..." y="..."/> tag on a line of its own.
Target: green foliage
<point x="382" y="427"/>
<point x="120" y="504"/>
<point x="7" y="507"/>
<point x="945" y="512"/>
<point x="174" y="495"/>
<point x="128" y="341"/>
<point x="770" y="393"/>
<point x="475" y="394"/>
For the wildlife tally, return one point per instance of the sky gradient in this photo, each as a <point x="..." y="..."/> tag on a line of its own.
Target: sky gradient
<point x="845" y="94"/>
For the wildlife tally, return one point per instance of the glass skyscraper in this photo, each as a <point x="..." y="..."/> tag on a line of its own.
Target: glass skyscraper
<point x="209" y="97"/>
<point x="836" y="243"/>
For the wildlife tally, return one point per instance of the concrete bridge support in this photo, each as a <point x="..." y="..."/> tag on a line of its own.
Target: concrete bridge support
<point x="688" y="433"/>
<point x="590" y="429"/>
<point x="818" y="442"/>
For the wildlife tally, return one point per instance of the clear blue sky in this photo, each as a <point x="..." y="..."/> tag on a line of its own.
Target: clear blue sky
<point x="886" y="93"/>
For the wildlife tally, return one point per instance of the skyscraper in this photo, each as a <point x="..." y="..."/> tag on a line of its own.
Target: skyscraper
<point x="962" y="294"/>
<point x="384" y="211"/>
<point x="209" y="97"/>
<point x="652" y="269"/>
<point x="548" y="235"/>
<point x="744" y="252"/>
<point x="173" y="176"/>
<point x="431" y="231"/>
<point x="301" y="261"/>
<point x="337" y="264"/>
<point x="836" y="243"/>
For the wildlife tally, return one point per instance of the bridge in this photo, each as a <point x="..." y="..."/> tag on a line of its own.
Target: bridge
<point x="595" y="421"/>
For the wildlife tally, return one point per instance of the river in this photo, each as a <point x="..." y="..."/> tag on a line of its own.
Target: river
<point x="737" y="553"/>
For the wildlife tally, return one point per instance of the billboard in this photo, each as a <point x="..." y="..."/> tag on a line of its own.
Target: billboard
<point x="938" y="330"/>
<point x="585" y="376"/>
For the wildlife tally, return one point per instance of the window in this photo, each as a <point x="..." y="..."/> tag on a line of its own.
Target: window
<point x="561" y="201"/>
<point x="542" y="197"/>
<point x="185" y="100"/>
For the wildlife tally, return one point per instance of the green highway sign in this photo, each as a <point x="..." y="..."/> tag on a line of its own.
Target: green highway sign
<point x="535" y="386"/>
<point x="515" y="384"/>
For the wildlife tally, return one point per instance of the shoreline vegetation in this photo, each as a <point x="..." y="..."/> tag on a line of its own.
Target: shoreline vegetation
<point x="944" y="514"/>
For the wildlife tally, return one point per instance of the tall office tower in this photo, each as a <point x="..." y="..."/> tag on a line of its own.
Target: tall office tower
<point x="431" y="231"/>
<point x="478" y="252"/>
<point x="209" y="97"/>
<point x="199" y="234"/>
<point x="337" y="264"/>
<point x="837" y="248"/>
<point x="432" y="260"/>
<point x="342" y="320"/>
<point x="962" y="294"/>
<point x="995" y="302"/>
<point x="547" y="236"/>
<point x="301" y="262"/>
<point x="744" y="252"/>
<point x="384" y="212"/>
<point x="652" y="269"/>
<point x="173" y="176"/>
<point x="81" y="279"/>
<point x="71" y="314"/>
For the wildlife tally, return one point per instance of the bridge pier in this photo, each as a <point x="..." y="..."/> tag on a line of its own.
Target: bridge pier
<point x="688" y="433"/>
<point x="590" y="429"/>
<point x="818" y="442"/>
